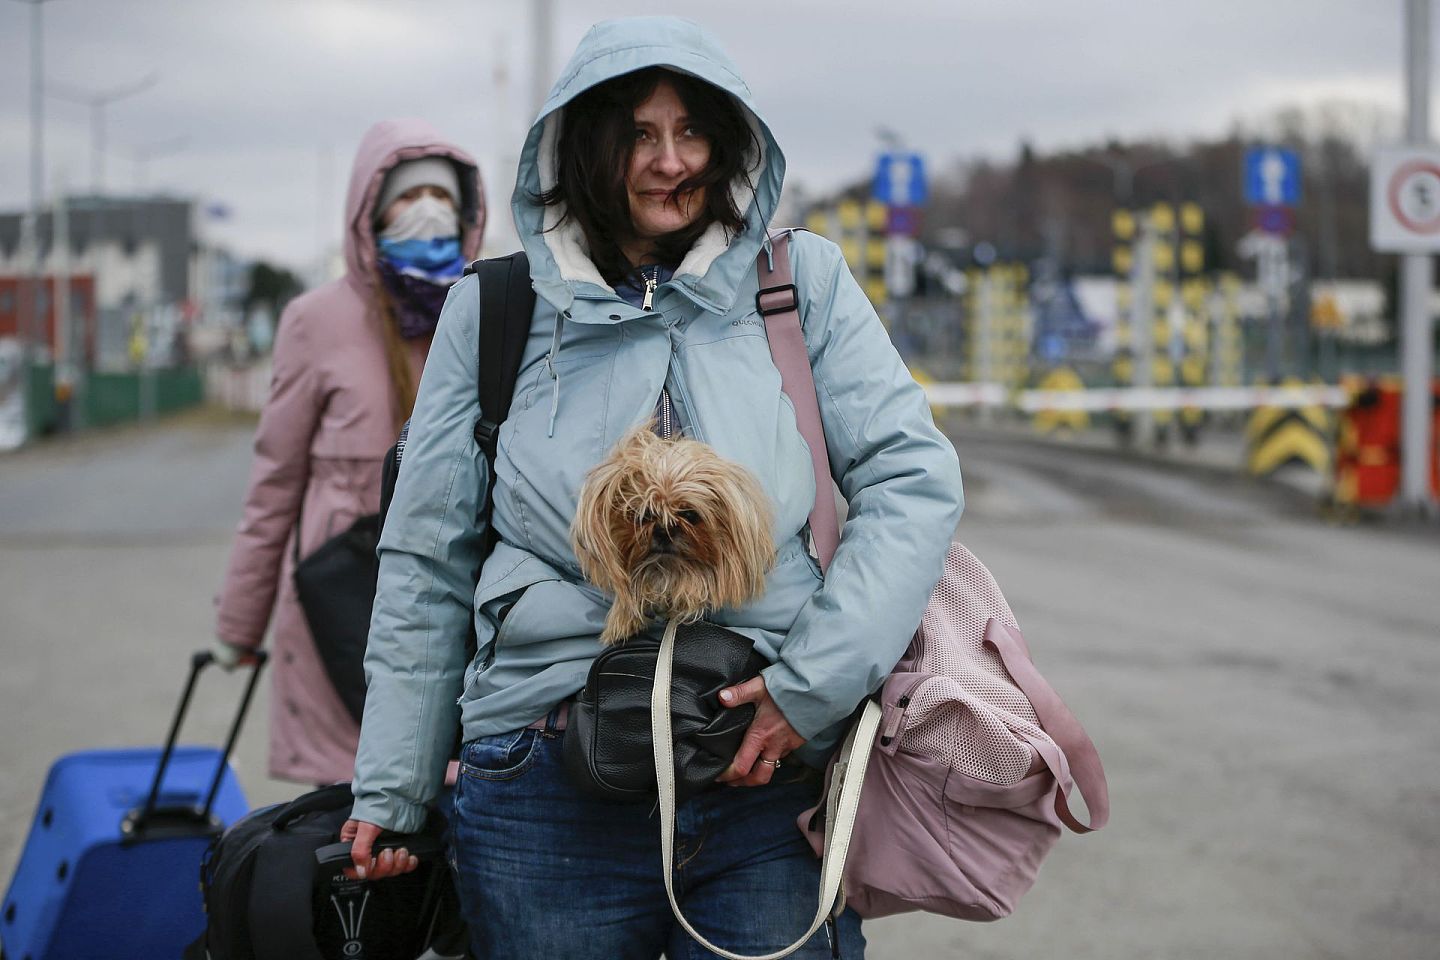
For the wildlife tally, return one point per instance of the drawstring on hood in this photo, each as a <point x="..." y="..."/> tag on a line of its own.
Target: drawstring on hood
<point x="560" y="316"/>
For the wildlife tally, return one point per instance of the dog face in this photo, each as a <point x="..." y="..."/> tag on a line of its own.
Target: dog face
<point x="669" y="528"/>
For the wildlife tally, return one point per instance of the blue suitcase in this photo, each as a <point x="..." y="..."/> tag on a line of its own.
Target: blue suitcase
<point x="111" y="868"/>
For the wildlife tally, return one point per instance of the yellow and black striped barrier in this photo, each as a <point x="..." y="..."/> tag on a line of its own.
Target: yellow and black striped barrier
<point x="1052" y="420"/>
<point x="1277" y="436"/>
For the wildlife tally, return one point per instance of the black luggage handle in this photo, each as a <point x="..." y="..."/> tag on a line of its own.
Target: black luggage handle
<point x="326" y="798"/>
<point x="418" y="844"/>
<point x="136" y="821"/>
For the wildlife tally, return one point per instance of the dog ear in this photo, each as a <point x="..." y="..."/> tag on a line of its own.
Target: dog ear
<point x="591" y="530"/>
<point x="744" y="526"/>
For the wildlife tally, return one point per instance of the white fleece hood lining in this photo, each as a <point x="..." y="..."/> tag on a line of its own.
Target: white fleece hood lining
<point x="567" y="241"/>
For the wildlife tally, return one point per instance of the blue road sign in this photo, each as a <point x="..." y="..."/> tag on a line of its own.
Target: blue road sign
<point x="1275" y="219"/>
<point x="900" y="180"/>
<point x="904" y="221"/>
<point x="1272" y="177"/>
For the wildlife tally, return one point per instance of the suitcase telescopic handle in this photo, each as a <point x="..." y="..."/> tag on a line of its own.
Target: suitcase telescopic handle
<point x="198" y="662"/>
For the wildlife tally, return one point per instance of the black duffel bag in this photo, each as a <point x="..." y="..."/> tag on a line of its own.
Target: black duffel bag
<point x="336" y="588"/>
<point x="274" y="890"/>
<point x="608" y="748"/>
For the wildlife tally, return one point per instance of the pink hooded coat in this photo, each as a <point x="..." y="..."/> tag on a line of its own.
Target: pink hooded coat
<point x="321" y="440"/>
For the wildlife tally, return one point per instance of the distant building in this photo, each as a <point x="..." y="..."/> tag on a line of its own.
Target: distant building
<point x="82" y="311"/>
<point x="145" y="269"/>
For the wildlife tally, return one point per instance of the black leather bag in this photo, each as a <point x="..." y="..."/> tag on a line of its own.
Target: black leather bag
<point x="336" y="587"/>
<point x="607" y="746"/>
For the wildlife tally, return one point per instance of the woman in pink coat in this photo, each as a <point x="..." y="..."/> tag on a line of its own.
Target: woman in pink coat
<point x="347" y="361"/>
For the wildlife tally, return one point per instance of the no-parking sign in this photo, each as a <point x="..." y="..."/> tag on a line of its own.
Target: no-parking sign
<point x="1405" y="199"/>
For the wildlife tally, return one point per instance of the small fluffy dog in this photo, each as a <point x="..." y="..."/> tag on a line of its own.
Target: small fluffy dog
<point x="671" y="529"/>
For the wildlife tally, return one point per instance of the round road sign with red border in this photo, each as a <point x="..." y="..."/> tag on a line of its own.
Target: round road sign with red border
<point x="1413" y="195"/>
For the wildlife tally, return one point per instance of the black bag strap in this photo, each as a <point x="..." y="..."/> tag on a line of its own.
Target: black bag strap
<point x="504" y="293"/>
<point x="506" y="303"/>
<point x="390" y="469"/>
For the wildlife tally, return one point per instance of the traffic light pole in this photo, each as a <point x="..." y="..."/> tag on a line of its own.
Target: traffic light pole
<point x="1142" y="324"/>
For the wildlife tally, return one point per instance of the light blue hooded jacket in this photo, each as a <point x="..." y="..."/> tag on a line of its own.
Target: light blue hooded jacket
<point x="592" y="369"/>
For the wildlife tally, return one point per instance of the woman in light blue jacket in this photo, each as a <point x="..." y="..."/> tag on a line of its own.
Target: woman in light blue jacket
<point x="645" y="190"/>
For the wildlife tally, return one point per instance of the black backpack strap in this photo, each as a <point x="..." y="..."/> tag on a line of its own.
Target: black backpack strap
<point x="390" y="470"/>
<point x="507" y="302"/>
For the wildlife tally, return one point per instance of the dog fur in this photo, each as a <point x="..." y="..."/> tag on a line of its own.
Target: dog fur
<point x="671" y="529"/>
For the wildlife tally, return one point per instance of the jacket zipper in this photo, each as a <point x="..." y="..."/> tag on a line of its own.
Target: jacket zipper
<point x="680" y="382"/>
<point x="667" y="414"/>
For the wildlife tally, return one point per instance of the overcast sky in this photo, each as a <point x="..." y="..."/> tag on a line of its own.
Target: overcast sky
<point x="259" y="105"/>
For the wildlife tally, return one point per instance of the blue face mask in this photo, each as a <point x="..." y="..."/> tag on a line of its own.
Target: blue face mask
<point x="437" y="259"/>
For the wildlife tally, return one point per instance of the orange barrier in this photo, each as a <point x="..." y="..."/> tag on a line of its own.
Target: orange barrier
<point x="1367" y="454"/>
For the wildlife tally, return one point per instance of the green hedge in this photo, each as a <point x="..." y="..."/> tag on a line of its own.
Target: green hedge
<point x="120" y="397"/>
<point x="111" y="398"/>
<point x="40" y="411"/>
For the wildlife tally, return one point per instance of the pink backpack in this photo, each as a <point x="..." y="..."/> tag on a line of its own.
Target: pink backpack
<point x="952" y="786"/>
<point x="965" y="789"/>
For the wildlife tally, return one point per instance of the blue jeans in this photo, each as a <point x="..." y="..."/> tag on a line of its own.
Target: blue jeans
<point x="545" y="872"/>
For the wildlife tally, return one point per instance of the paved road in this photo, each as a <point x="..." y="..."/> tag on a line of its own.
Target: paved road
<point x="1262" y="686"/>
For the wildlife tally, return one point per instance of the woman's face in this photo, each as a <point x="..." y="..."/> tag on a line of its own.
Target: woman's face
<point x="401" y="203"/>
<point x="668" y="151"/>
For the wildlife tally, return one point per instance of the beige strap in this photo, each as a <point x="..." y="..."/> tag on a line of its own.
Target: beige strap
<point x="843" y="803"/>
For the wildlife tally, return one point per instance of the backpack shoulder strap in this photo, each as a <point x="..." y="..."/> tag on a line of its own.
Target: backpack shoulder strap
<point x="507" y="302"/>
<point x="779" y="304"/>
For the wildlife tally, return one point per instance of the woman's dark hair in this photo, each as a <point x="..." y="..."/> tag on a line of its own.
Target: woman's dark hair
<point x="597" y="136"/>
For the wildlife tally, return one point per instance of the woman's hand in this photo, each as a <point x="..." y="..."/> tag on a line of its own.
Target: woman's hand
<point x="227" y="656"/>
<point x="390" y="863"/>
<point x="770" y="737"/>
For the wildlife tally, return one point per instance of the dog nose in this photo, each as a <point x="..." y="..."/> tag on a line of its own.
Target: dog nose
<point x="661" y="536"/>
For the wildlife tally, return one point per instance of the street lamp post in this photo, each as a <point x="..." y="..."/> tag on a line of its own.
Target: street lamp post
<point x="542" y="37"/>
<point x="30" y="326"/>
<point x="98" y="101"/>
<point x="1123" y="174"/>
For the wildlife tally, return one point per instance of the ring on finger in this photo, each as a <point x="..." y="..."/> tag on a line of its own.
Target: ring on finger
<point x="773" y="763"/>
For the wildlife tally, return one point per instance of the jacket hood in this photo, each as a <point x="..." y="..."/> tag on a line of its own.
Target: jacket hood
<point x="711" y="273"/>
<point x="384" y="145"/>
